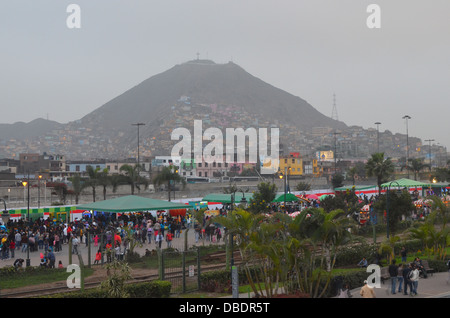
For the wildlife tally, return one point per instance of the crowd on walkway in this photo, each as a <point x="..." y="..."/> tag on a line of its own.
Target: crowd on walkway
<point x="109" y="234"/>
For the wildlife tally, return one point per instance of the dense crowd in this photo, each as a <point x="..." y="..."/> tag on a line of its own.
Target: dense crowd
<point x="109" y="234"/>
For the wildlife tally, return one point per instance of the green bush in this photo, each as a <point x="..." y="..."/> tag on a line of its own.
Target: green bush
<point x="353" y="279"/>
<point x="220" y="280"/>
<point x="153" y="289"/>
<point x="215" y="281"/>
<point x="438" y="265"/>
<point x="351" y="255"/>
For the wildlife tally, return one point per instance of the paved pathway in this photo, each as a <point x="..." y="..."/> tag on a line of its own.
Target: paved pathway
<point x="435" y="286"/>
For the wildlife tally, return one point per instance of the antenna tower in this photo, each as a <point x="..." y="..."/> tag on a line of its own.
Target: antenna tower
<point x="334" y="114"/>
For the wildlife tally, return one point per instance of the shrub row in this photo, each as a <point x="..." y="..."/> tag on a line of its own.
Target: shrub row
<point x="153" y="289"/>
<point x="351" y="255"/>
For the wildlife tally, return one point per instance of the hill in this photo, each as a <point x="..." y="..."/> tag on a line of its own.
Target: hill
<point x="222" y="95"/>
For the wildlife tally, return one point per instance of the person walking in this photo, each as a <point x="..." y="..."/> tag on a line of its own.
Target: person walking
<point x="169" y="238"/>
<point x="75" y="245"/>
<point x="159" y="238"/>
<point x="367" y="291"/>
<point x="51" y="259"/>
<point x="149" y="234"/>
<point x="414" y="277"/>
<point x="400" y="277"/>
<point x="406" y="280"/>
<point x="98" y="257"/>
<point x="393" y="273"/>
<point x="18" y="239"/>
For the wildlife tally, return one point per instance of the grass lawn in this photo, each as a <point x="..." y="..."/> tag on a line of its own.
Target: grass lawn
<point x="37" y="278"/>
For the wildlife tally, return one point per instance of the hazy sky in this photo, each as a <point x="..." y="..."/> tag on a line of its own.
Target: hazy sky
<point x="309" y="48"/>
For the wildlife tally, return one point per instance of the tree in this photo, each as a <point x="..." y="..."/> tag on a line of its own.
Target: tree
<point x="400" y="203"/>
<point x="132" y="176"/>
<point x="337" y="181"/>
<point x="104" y="181"/>
<point x="416" y="165"/>
<point x="379" y="167"/>
<point x="240" y="225"/>
<point x="320" y="235"/>
<point x="169" y="175"/>
<point x="346" y="201"/>
<point x="93" y="181"/>
<point x="441" y="175"/>
<point x="77" y="186"/>
<point x="303" y="186"/>
<point x="352" y="173"/>
<point x="261" y="199"/>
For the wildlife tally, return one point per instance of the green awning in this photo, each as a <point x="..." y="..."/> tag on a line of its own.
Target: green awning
<point x="43" y="210"/>
<point x="131" y="203"/>
<point x="226" y="197"/>
<point x="289" y="198"/>
<point x="357" y="188"/>
<point x="405" y="183"/>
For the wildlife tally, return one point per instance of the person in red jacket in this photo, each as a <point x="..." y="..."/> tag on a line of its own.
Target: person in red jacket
<point x="169" y="238"/>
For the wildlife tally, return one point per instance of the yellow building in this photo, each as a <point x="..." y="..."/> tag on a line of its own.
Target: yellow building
<point x="294" y="165"/>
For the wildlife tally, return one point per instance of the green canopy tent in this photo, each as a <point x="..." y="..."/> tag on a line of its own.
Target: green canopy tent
<point x="226" y="197"/>
<point x="355" y="187"/>
<point x="405" y="183"/>
<point x="290" y="197"/>
<point x="324" y="196"/>
<point x="131" y="203"/>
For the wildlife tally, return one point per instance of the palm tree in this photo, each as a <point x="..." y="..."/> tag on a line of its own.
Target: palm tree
<point x="416" y="165"/>
<point x="240" y="225"/>
<point x="132" y="175"/>
<point x="104" y="181"/>
<point x="169" y="175"/>
<point x="94" y="176"/>
<point x="379" y="167"/>
<point x="77" y="186"/>
<point x="352" y="173"/>
<point x="324" y="232"/>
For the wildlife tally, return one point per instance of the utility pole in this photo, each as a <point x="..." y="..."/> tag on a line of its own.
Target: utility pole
<point x="335" y="152"/>
<point x="378" y="135"/>
<point x="406" y="117"/>
<point x="138" y="161"/>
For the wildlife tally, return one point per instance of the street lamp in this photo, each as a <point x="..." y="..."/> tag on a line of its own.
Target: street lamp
<point x="406" y="117"/>
<point x="281" y="176"/>
<point x="39" y="191"/>
<point x="27" y="185"/>
<point x="387" y="206"/>
<point x="378" y="135"/>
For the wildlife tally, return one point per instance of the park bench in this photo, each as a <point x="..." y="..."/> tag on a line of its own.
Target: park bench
<point x="427" y="267"/>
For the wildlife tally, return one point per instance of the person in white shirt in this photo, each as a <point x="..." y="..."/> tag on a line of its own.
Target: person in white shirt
<point x="75" y="245"/>
<point x="414" y="277"/>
